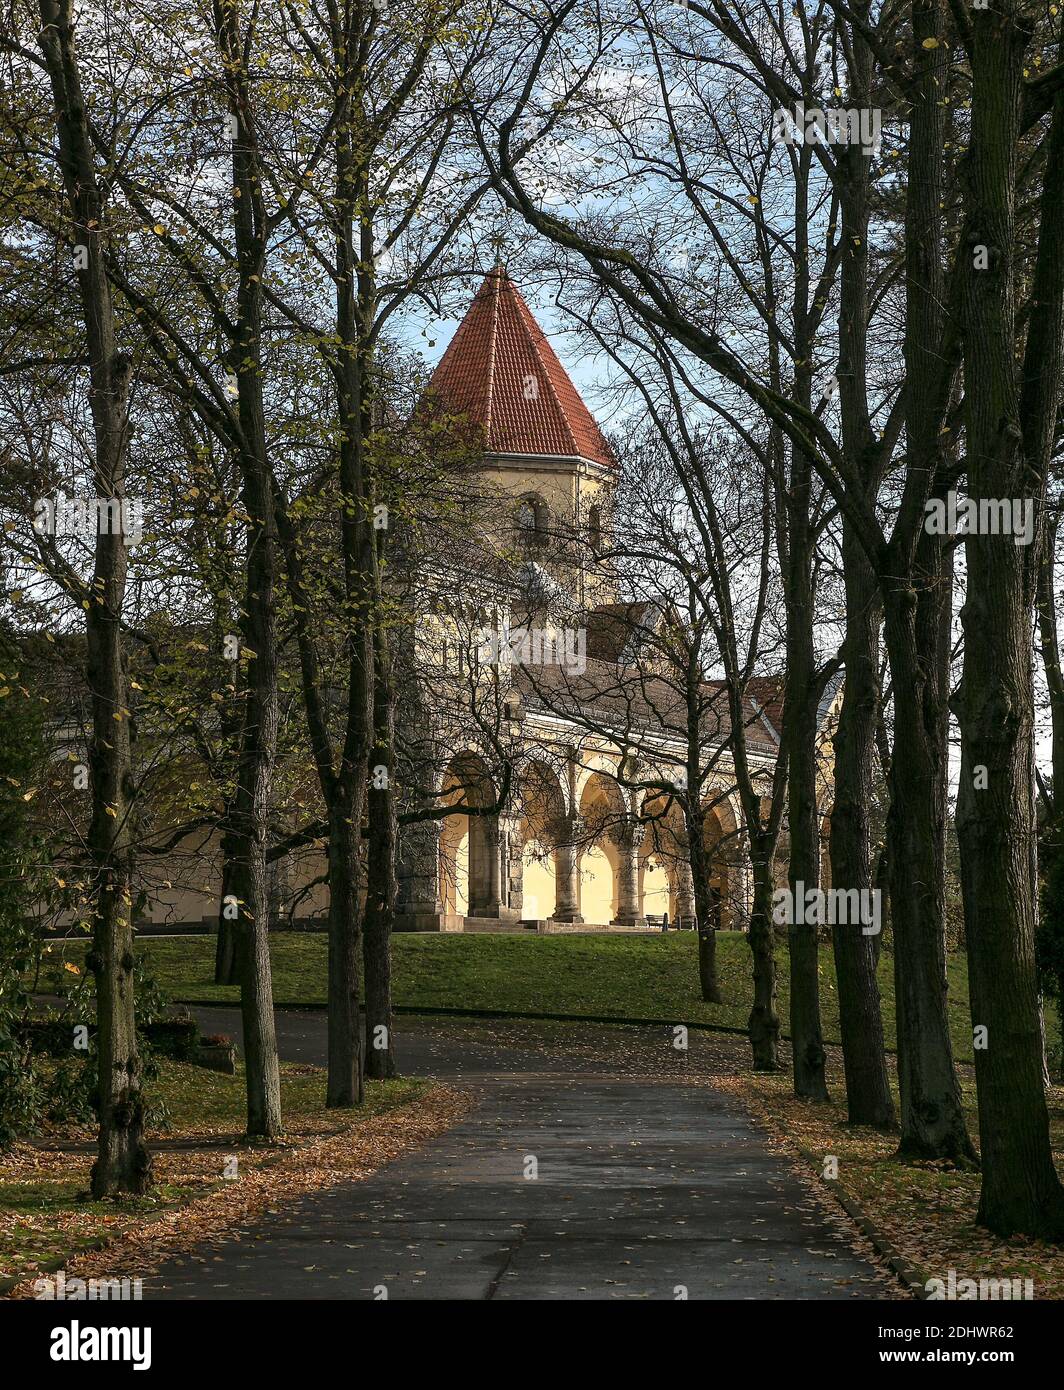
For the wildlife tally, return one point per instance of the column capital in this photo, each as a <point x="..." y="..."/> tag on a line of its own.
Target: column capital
<point x="628" y="833"/>
<point x="567" y="830"/>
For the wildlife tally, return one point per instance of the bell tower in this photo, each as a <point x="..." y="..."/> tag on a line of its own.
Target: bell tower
<point x="541" y="443"/>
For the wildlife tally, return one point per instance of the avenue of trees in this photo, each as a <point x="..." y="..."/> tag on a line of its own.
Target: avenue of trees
<point x="224" y="227"/>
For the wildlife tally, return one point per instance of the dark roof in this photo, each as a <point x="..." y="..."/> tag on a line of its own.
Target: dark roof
<point x="766" y="693"/>
<point x="622" y="697"/>
<point x="611" y="627"/>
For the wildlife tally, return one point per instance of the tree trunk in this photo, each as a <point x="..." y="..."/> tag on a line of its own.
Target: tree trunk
<point x="354" y="279"/>
<point x="381" y="879"/>
<point x="122" y="1164"/>
<point x="764" y="1023"/>
<point x="868" y="1096"/>
<point x="807" y="1043"/>
<point x="796" y="539"/>
<point x="256" y="993"/>
<point x="1010" y="432"/>
<point x="704" y="914"/>
<point x="1049" y="644"/>
<point x="917" y="612"/>
<point x="932" y="1118"/>
<point x="251" y="832"/>
<point x="251" y="819"/>
<point x="345" y="1062"/>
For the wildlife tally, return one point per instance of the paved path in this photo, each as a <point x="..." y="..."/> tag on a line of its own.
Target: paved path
<point x="647" y="1188"/>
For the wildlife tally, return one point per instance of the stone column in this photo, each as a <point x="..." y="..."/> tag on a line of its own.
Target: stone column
<point x="515" y="868"/>
<point x="685" y="892"/>
<point x="485" y="868"/>
<point x="489" y="842"/>
<point x="735" y="912"/>
<point x="566" y="854"/>
<point x="628" y="837"/>
<point x="418" y="904"/>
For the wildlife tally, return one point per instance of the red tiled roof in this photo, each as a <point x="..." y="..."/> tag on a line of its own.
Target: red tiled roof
<point x="502" y="375"/>
<point x="766" y="692"/>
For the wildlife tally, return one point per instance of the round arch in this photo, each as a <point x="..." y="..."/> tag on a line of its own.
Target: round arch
<point x="465" y="848"/>
<point x="602" y="806"/>
<point x="662" y="855"/>
<point x="542" y="814"/>
<point x="592" y="764"/>
<point x="722" y="845"/>
<point x="532" y="522"/>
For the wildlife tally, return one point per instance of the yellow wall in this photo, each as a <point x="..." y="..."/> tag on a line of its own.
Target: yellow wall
<point x="569" y="495"/>
<point x="655" y="885"/>
<point x="598" y="896"/>
<point x="454" y="864"/>
<point x="539" y="889"/>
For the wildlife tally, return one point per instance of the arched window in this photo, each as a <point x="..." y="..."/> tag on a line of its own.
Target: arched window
<point x="532" y="521"/>
<point x="594" y="527"/>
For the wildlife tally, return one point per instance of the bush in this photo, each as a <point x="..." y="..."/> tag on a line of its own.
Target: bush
<point x="1049" y="944"/>
<point x="23" y="757"/>
<point x="70" y="1095"/>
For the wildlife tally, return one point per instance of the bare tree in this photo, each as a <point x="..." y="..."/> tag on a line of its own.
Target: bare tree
<point x="122" y="1162"/>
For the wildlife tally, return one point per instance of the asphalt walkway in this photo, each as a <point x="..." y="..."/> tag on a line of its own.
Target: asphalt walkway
<point x="591" y="1168"/>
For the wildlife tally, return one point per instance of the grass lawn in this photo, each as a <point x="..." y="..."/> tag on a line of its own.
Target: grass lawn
<point x="612" y="976"/>
<point x="43" y="1211"/>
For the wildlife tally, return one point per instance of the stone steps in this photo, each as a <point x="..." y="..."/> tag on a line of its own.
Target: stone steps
<point x="539" y="927"/>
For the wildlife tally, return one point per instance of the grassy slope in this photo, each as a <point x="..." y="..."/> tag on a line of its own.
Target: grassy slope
<point x="616" y="976"/>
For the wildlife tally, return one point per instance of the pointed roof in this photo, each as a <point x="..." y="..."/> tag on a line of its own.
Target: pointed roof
<point x="500" y="372"/>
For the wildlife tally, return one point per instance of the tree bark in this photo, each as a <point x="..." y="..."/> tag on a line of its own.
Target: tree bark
<point x="251" y="818"/>
<point x="1011" y="422"/>
<point x="123" y="1164"/>
<point x="252" y="809"/>
<point x="764" y="1023"/>
<point x="1049" y="644"/>
<point x="803" y="871"/>
<point x="932" y="1117"/>
<point x="345" y="1061"/>
<point x="868" y="1096"/>
<point x="916" y="629"/>
<point x="704" y="916"/>
<point x="355" y="312"/>
<point x="381" y="877"/>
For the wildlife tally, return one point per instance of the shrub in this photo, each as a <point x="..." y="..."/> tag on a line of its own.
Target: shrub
<point x="23" y="758"/>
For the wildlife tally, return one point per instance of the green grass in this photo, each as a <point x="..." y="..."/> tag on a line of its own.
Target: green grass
<point x="614" y="976"/>
<point x="196" y="1097"/>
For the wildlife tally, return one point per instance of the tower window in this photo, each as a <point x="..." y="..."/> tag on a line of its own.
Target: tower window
<point x="594" y="527"/>
<point x="532" y="522"/>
